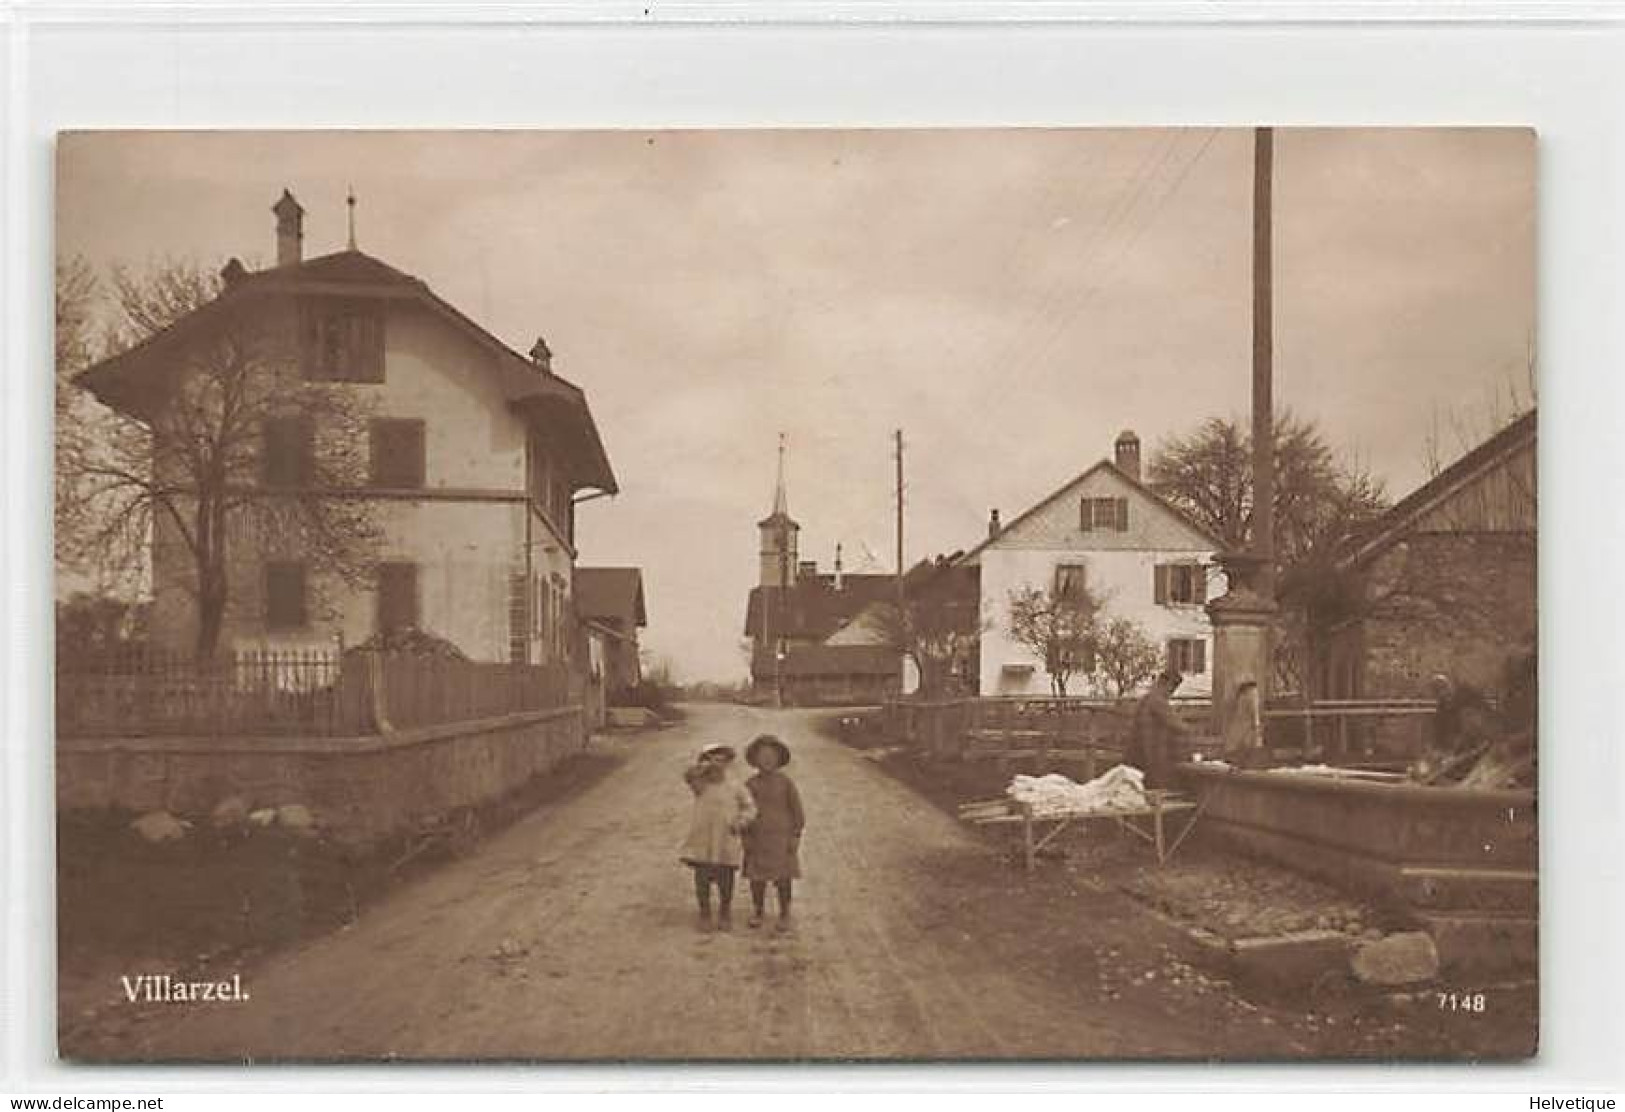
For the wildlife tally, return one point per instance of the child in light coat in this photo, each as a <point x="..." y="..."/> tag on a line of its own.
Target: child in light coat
<point x="723" y="809"/>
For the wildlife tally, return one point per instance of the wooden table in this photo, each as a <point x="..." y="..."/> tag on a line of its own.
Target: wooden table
<point x="1034" y="836"/>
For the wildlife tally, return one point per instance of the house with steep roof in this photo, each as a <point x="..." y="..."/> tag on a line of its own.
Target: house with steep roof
<point x="609" y="602"/>
<point x="475" y="458"/>
<point x="1447" y="579"/>
<point x="1109" y="533"/>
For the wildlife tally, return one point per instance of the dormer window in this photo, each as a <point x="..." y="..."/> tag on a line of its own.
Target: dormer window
<point x="342" y="340"/>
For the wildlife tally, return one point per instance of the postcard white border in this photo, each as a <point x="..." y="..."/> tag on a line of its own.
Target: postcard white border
<point x="1555" y="66"/>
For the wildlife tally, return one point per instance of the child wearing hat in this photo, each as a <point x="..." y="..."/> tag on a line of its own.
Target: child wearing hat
<point x="722" y="811"/>
<point x="773" y="842"/>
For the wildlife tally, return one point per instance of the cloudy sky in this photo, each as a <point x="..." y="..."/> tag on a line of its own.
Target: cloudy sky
<point x="1010" y="299"/>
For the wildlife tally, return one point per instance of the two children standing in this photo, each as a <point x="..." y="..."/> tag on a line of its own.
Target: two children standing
<point x="756" y="825"/>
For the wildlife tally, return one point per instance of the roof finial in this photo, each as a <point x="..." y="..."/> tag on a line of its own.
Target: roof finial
<point x="350" y="201"/>
<point x="780" y="501"/>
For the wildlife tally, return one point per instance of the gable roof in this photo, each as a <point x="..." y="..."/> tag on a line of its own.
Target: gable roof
<point x="813" y="607"/>
<point x="1107" y="465"/>
<point x="1391" y="526"/>
<point x="120" y="381"/>
<point x="612" y="594"/>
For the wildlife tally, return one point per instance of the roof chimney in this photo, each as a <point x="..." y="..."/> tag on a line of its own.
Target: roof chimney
<point x="1128" y="454"/>
<point x="290" y="230"/>
<point x="840" y="578"/>
<point x="542" y="356"/>
<point x="806" y="569"/>
<point x="993" y="526"/>
<point x="233" y="272"/>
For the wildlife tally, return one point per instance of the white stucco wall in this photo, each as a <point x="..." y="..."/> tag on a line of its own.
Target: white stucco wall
<point x="466" y="545"/>
<point x="1120" y="570"/>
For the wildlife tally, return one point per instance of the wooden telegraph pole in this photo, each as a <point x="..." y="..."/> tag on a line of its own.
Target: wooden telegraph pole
<point x="899" y="440"/>
<point x="1263" y="362"/>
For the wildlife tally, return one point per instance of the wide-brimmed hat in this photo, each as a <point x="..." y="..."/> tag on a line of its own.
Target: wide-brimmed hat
<point x="718" y="750"/>
<point x="767" y="740"/>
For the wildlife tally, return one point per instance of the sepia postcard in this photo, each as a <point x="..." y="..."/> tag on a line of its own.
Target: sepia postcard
<point x="751" y="595"/>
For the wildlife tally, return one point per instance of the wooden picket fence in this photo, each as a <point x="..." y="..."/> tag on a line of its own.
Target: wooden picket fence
<point x="306" y="693"/>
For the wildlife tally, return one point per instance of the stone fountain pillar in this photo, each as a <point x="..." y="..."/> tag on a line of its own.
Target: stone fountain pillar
<point x="1243" y="641"/>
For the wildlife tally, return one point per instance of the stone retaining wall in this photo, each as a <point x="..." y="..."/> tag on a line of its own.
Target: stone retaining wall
<point x="1459" y="862"/>
<point x="361" y="788"/>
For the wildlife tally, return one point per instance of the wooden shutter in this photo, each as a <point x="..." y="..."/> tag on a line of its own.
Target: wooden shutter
<point x="287" y="451"/>
<point x="1198" y="584"/>
<point x="284" y="595"/>
<point x="1159" y="588"/>
<point x="397" y="597"/>
<point x="398" y="453"/>
<point x="1122" y="515"/>
<point x="1086" y="514"/>
<point x="1198" y="657"/>
<point x="518" y="618"/>
<point x="366" y="354"/>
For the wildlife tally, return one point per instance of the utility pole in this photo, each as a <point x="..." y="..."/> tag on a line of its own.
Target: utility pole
<point x="899" y="440"/>
<point x="1263" y="361"/>
<point x="784" y="588"/>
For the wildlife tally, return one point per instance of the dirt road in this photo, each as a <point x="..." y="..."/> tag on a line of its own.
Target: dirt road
<point x="572" y="935"/>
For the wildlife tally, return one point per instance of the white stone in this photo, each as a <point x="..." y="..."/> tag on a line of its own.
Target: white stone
<point x="295" y="816"/>
<point x="1399" y="959"/>
<point x="159" y="826"/>
<point x="230" y="811"/>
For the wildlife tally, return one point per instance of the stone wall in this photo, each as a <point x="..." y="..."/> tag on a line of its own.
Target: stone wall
<point x="1460" y="863"/>
<point x="1460" y="604"/>
<point x="361" y="789"/>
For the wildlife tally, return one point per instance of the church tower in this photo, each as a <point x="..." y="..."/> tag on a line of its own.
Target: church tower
<point x="779" y="533"/>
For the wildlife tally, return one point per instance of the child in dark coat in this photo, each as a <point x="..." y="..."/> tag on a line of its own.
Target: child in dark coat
<point x="773" y="841"/>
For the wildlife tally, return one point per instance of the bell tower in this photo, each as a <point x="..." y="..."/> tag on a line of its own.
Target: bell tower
<point x="779" y="534"/>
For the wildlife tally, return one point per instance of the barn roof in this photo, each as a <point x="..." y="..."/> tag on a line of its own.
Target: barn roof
<point x="1400" y="518"/>
<point x="813" y="607"/>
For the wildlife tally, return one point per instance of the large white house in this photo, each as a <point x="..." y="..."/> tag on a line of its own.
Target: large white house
<point x="1146" y="560"/>
<point x="474" y="459"/>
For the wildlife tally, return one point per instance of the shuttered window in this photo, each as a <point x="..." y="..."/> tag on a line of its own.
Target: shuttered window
<point x="397" y="597"/>
<point x="398" y="453"/>
<point x="1070" y="581"/>
<point x="1103" y="513"/>
<point x="1180" y="584"/>
<point x="1187" y="655"/>
<point x="287" y="451"/>
<point x="284" y="595"/>
<point x="342" y="340"/>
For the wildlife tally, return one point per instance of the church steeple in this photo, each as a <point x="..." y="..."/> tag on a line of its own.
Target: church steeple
<point x="779" y="533"/>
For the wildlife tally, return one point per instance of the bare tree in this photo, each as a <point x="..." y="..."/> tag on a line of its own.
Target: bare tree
<point x="936" y="636"/>
<point x="1124" y="656"/>
<point x="1320" y="502"/>
<point x="191" y="469"/>
<point x="1057" y="627"/>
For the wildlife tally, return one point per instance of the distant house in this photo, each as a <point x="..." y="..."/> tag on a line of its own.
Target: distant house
<point x="609" y="601"/>
<point x="1108" y="532"/>
<point x="793" y="613"/>
<point x="943" y="603"/>
<point x="1448" y="578"/>
<point x="474" y="456"/>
